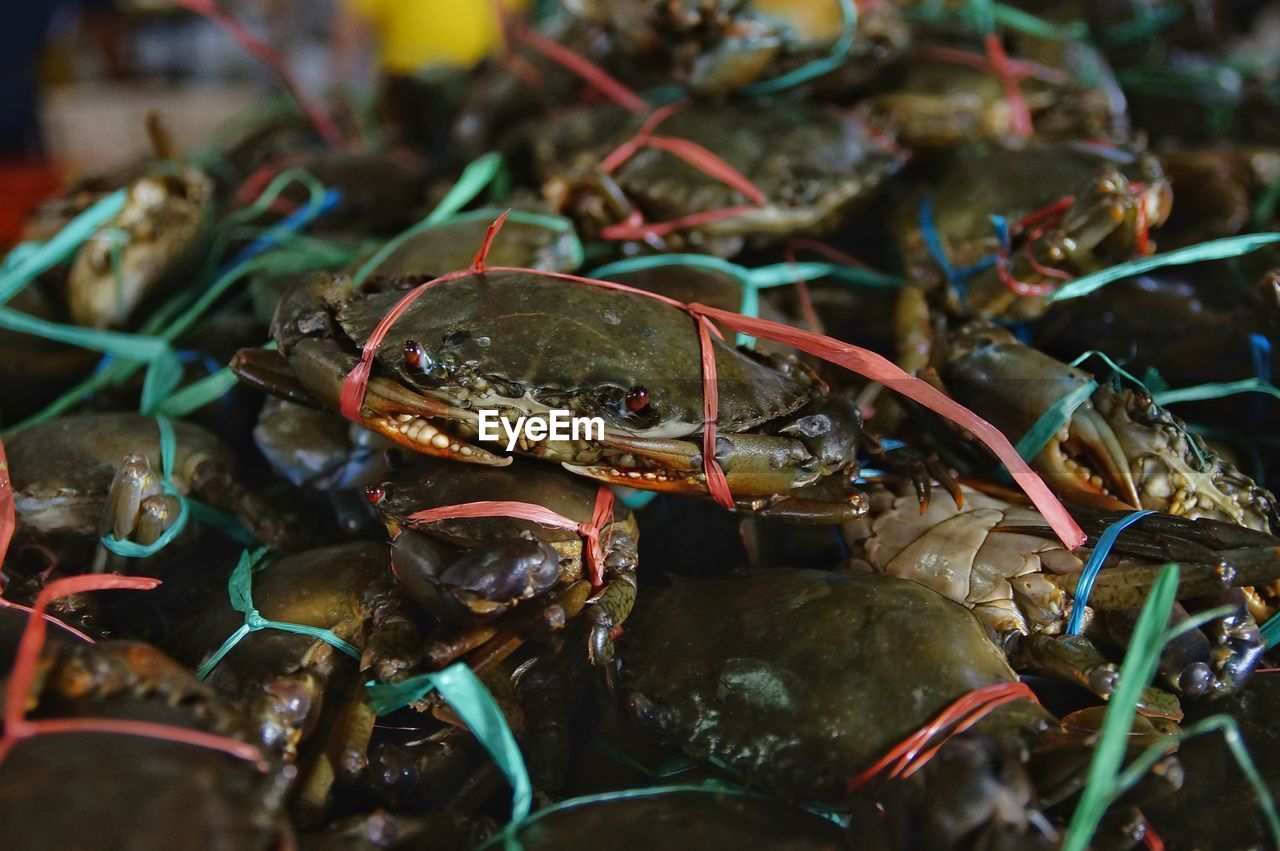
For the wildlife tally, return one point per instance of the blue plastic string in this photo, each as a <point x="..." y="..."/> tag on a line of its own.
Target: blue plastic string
<point x="1101" y="550"/>
<point x="956" y="278"/>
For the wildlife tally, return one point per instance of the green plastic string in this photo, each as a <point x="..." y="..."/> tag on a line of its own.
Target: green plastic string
<point x="223" y="522"/>
<point x="27" y="261"/>
<point x="983" y="16"/>
<point x="168" y="450"/>
<point x="200" y="393"/>
<point x="1057" y="414"/>
<point x="1139" y="666"/>
<point x="1271" y="631"/>
<point x="832" y="61"/>
<point x="475" y="177"/>
<point x="228" y="227"/>
<point x="751" y="280"/>
<point x="1115" y="367"/>
<point x="1146" y="24"/>
<point x="240" y="590"/>
<point x="1230" y="730"/>
<point x="1217" y="249"/>
<point x="511" y="841"/>
<point x="469" y="698"/>
<point x="1216" y="390"/>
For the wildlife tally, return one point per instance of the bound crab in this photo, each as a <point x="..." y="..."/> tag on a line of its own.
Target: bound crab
<point x="514" y="341"/>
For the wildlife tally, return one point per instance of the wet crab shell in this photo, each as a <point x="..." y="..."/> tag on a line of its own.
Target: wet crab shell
<point x="783" y="673"/>
<point x="519" y="339"/>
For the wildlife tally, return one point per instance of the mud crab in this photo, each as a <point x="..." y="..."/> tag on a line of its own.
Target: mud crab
<point x="719" y="47"/>
<point x="188" y="793"/>
<point x="157" y="237"/>
<point x="302" y="695"/>
<point x="720" y="666"/>
<point x="1067" y="209"/>
<point x="1118" y="449"/>
<point x="505" y="340"/>
<point x="807" y="167"/>
<point x="469" y="570"/>
<point x="993" y="556"/>
<point x="79" y="477"/>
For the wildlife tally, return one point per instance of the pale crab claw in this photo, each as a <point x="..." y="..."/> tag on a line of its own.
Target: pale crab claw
<point x="133" y="484"/>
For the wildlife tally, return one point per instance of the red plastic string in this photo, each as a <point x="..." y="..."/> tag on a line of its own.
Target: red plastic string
<point x="1143" y="243"/>
<point x="16" y="725"/>
<point x="263" y="52"/>
<point x="1020" y="68"/>
<point x="880" y="369"/>
<point x="255" y="184"/>
<point x="717" y="483"/>
<point x="1044" y="217"/>
<point x="864" y="362"/>
<point x="1021" y="113"/>
<point x="593" y="74"/>
<point x="8" y="524"/>
<point x="602" y="515"/>
<point x="835" y="255"/>
<point x="635" y="226"/>
<point x="1054" y="212"/>
<point x="909" y="756"/>
<point x="1152" y="839"/>
<point x="692" y="153"/>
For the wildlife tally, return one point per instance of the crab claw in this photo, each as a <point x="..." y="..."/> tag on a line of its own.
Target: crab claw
<point x="1013" y="385"/>
<point x="314" y="373"/>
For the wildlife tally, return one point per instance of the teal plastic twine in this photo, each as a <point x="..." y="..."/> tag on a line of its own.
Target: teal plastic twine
<point x="1102" y="549"/>
<point x="240" y="590"/>
<point x="1216" y="249"/>
<point x="1060" y="412"/>
<point x="463" y="690"/>
<point x="28" y="260"/>
<point x="475" y="177"/>
<point x="131" y="549"/>
<point x="1271" y="631"/>
<point x="839" y="53"/>
<point x="1216" y="390"/>
<point x="752" y="280"/>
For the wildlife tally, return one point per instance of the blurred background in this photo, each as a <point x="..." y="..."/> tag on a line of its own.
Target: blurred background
<point x="81" y="76"/>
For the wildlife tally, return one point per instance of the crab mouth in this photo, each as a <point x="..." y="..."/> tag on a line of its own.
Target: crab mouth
<point x="1085" y="460"/>
<point x="632" y="471"/>
<point x="426" y="437"/>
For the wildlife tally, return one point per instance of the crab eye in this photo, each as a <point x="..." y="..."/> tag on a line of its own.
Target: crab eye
<point x="375" y="494"/>
<point x="415" y="357"/>
<point x="637" y="399"/>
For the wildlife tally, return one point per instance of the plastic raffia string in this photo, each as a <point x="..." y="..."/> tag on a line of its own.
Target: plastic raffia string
<point x="240" y="590"/>
<point x="1102" y="549"/>
<point x="25" y="669"/>
<point x="463" y="690"/>
<point x="859" y="360"/>
<point x="601" y="516"/>
<point x="1217" y="249"/>
<point x="130" y="549"/>
<point x="1106" y="782"/>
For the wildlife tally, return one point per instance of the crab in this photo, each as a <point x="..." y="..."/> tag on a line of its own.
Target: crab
<point x="1069" y="208"/>
<point x="716" y="48"/>
<point x="474" y="570"/>
<point x="183" y="792"/>
<point x="158" y="237"/>
<point x="808" y="166"/>
<point x="515" y="341"/>
<point x="79" y="477"/>
<point x="780" y="675"/>
<point x="303" y="696"/>
<point x="997" y="558"/>
<point x="1119" y="449"/>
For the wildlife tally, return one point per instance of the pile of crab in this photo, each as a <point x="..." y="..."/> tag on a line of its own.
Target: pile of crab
<point x="922" y="354"/>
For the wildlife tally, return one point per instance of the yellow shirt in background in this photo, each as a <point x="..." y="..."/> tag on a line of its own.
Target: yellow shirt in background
<point x="416" y="34"/>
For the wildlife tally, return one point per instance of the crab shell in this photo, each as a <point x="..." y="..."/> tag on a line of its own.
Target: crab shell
<point x="525" y="343"/>
<point x="812" y="165"/>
